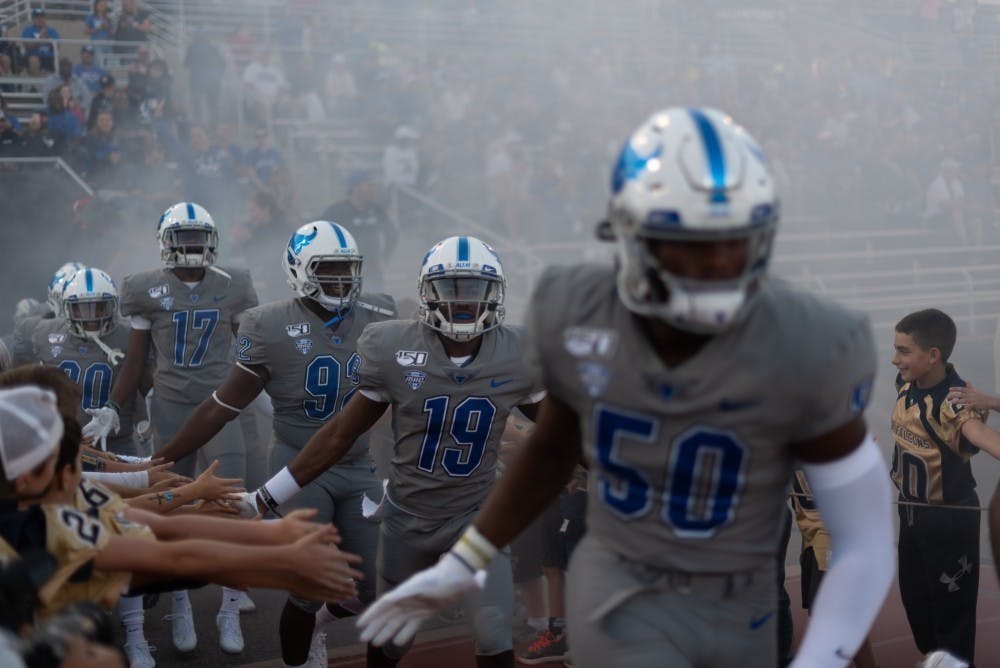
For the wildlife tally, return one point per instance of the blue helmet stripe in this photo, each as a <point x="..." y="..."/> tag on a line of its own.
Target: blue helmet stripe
<point x="89" y="278"/>
<point x="190" y="208"/>
<point x="463" y="249"/>
<point x="713" y="151"/>
<point x="340" y="235"/>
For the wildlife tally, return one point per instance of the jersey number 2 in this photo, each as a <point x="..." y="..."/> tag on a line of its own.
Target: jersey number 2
<point x="471" y="423"/>
<point x="705" y="473"/>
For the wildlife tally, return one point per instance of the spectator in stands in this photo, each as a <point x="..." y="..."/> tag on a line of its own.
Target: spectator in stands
<point x="65" y="77"/>
<point x="340" y="87"/>
<point x="232" y="150"/>
<point x="63" y="124"/>
<point x="37" y="139"/>
<point x="99" y="22"/>
<point x="99" y="144"/>
<point x="11" y="117"/>
<point x="367" y="221"/>
<point x="39" y="29"/>
<point x="156" y="185"/>
<point x="71" y="105"/>
<point x="87" y="71"/>
<point x="204" y="174"/>
<point x="205" y="66"/>
<point x="133" y="23"/>
<point x="103" y="99"/>
<point x="263" y="158"/>
<point x="401" y="160"/>
<point x="263" y="81"/>
<point x="10" y="139"/>
<point x="7" y="70"/>
<point x="11" y="48"/>
<point x="945" y="204"/>
<point x="33" y="70"/>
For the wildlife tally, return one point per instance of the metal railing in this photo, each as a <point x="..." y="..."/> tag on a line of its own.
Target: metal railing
<point x="57" y="162"/>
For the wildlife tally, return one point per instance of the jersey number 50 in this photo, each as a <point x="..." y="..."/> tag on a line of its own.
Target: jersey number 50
<point x="704" y="474"/>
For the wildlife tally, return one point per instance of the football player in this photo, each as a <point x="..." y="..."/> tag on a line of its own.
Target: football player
<point x="188" y="312"/>
<point x="451" y="376"/>
<point x="304" y="352"/>
<point x="29" y="313"/>
<point x="87" y="342"/>
<point x="692" y="383"/>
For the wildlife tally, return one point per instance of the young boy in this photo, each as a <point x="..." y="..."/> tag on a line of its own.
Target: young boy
<point x="934" y="441"/>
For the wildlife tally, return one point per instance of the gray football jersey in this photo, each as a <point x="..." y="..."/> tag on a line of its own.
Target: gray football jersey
<point x="446" y="419"/>
<point x="85" y="363"/>
<point x="313" y="370"/>
<point x="690" y="464"/>
<point x="192" y="328"/>
<point x="23" y="351"/>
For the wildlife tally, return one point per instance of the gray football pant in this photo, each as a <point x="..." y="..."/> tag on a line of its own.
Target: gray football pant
<point x="408" y="544"/>
<point x="227" y="446"/>
<point x="621" y="613"/>
<point x="336" y="495"/>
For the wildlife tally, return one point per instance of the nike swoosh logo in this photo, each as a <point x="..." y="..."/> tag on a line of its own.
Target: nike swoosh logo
<point x="218" y="299"/>
<point x="730" y="405"/>
<point x="497" y="383"/>
<point x="760" y="621"/>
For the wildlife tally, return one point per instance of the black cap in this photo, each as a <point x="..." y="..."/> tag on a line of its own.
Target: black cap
<point x="38" y="11"/>
<point x="87" y="48"/>
<point x="107" y="80"/>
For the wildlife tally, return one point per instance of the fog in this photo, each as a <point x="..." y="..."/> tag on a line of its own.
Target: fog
<point x="519" y="108"/>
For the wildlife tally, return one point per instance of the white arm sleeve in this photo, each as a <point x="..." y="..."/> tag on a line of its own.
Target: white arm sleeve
<point x="139" y="322"/>
<point x="136" y="479"/>
<point x="855" y="500"/>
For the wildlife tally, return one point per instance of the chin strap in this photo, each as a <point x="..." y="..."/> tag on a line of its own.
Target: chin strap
<point x="338" y="316"/>
<point x="114" y="355"/>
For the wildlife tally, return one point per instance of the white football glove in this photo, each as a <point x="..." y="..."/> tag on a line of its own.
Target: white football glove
<point x="397" y="615"/>
<point x="247" y="505"/>
<point x="103" y="421"/>
<point x="942" y="659"/>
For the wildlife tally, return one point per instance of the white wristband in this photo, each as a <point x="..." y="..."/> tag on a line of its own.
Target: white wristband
<point x="474" y="549"/>
<point x="278" y="489"/>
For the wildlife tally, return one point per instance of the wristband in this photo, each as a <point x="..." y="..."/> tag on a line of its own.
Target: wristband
<point x="474" y="550"/>
<point x="113" y="405"/>
<point x="278" y="489"/>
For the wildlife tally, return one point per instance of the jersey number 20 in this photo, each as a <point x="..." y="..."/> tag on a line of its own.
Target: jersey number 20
<point x="705" y="473"/>
<point x="95" y="385"/>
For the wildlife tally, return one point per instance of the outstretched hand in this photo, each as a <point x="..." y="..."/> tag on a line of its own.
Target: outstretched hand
<point x="209" y="487"/>
<point x="970" y="397"/>
<point x="318" y="569"/>
<point x="396" y="616"/>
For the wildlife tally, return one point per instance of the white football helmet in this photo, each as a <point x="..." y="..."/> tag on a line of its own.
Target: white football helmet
<point x="188" y="236"/>
<point x="690" y="175"/>
<point x="323" y="263"/>
<point x="90" y="302"/>
<point x="461" y="288"/>
<point x="59" y="279"/>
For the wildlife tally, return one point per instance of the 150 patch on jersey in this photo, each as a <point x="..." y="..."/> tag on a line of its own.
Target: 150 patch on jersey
<point x="56" y="337"/>
<point x="411" y="357"/>
<point x="298" y="329"/>
<point x="590" y="342"/>
<point x="158" y="291"/>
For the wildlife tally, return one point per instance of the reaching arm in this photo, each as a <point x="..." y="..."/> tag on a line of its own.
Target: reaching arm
<point x="206" y="486"/>
<point x="288" y="529"/>
<point x="324" y="449"/>
<point x="981" y="436"/>
<point x="854" y="498"/>
<point x="241" y="386"/>
<point x="994" y="518"/>
<point x="526" y="489"/>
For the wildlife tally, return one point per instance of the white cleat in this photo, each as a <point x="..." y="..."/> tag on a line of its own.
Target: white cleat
<point x="139" y="655"/>
<point x="182" y="631"/>
<point x="317" y="651"/>
<point x="230" y="633"/>
<point x="246" y="603"/>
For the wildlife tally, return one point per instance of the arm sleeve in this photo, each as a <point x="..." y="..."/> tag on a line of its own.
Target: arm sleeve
<point x="131" y="299"/>
<point x="855" y="500"/>
<point x="134" y="479"/>
<point x="843" y="395"/>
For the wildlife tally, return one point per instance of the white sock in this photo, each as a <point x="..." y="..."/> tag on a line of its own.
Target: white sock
<point x="180" y="603"/>
<point x="323" y="617"/>
<point x="538" y="623"/>
<point x="132" y="614"/>
<point x="230" y="601"/>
